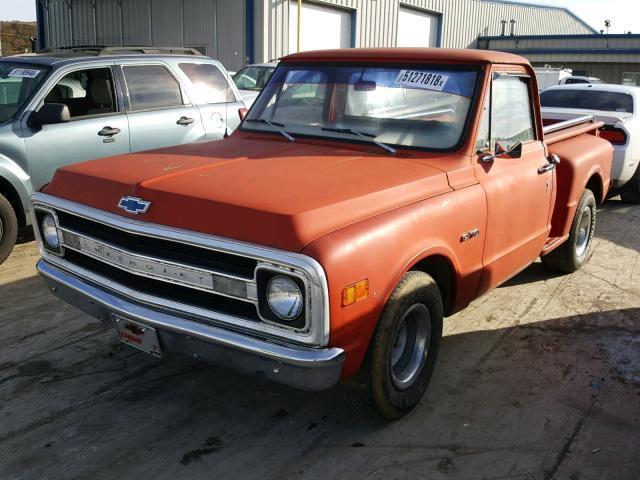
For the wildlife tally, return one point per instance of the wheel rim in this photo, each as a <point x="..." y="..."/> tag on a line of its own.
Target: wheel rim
<point x="411" y="346"/>
<point x="584" y="232"/>
<point x="1" y="230"/>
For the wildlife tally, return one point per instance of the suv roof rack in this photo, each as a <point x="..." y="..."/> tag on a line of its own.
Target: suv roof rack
<point x="100" y="50"/>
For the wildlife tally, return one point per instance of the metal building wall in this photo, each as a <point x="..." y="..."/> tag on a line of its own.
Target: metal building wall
<point x="462" y="21"/>
<point x="217" y="25"/>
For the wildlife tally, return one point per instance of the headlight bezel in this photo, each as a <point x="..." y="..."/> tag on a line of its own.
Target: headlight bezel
<point x="265" y="312"/>
<point x="40" y="215"/>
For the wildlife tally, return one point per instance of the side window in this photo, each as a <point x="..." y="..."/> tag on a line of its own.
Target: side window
<point x="151" y="86"/>
<point x="85" y="92"/>
<point x="511" y="115"/>
<point x="210" y="85"/>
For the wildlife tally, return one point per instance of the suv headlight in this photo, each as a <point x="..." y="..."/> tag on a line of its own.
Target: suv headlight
<point x="285" y="298"/>
<point x="50" y="232"/>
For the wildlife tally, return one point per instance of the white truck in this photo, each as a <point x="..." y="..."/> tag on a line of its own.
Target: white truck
<point x="549" y="77"/>
<point x="618" y="106"/>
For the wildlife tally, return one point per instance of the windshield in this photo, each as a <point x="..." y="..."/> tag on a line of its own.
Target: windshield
<point x="17" y="82"/>
<point x="585" y="99"/>
<point x="253" y="78"/>
<point x="424" y="107"/>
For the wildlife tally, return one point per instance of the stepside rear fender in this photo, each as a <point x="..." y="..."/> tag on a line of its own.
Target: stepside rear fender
<point x="584" y="159"/>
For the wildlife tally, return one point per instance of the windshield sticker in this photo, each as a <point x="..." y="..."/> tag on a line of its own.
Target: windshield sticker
<point x="24" y="73"/>
<point x="424" y="80"/>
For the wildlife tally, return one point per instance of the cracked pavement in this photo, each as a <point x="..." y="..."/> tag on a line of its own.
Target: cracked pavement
<point x="540" y="379"/>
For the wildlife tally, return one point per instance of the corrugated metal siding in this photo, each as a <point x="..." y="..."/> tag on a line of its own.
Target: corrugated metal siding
<point x="167" y="22"/>
<point x="462" y="21"/>
<point x="108" y="23"/>
<point x="136" y="22"/>
<point x="199" y="26"/>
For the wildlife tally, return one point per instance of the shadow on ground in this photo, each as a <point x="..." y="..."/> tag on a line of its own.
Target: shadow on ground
<point x="550" y="399"/>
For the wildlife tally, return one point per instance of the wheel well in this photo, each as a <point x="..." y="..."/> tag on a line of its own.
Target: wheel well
<point x="8" y="192"/>
<point x="442" y="271"/>
<point x="595" y="185"/>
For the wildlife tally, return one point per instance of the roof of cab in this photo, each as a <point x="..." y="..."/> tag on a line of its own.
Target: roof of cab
<point x="407" y="55"/>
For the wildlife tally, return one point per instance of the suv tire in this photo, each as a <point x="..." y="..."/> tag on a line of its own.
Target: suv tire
<point x="8" y="228"/>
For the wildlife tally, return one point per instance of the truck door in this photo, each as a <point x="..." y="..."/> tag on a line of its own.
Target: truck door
<point x="98" y="126"/>
<point x="160" y="113"/>
<point x="519" y="192"/>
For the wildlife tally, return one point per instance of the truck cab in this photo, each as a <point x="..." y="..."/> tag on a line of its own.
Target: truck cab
<point x="367" y="195"/>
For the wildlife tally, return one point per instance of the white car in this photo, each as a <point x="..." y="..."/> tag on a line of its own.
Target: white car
<point x="252" y="79"/>
<point x="618" y="107"/>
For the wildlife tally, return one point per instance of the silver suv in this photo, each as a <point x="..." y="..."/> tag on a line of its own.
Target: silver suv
<point x="87" y="103"/>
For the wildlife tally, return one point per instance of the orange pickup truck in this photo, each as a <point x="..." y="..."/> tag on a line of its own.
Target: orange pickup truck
<point x="368" y="194"/>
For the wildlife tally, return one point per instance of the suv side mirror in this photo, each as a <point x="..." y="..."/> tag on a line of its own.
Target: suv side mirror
<point x="51" y="114"/>
<point x="514" y="151"/>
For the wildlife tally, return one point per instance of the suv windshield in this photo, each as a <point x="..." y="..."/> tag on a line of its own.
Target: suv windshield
<point x="424" y="107"/>
<point x="586" y="99"/>
<point x="17" y="82"/>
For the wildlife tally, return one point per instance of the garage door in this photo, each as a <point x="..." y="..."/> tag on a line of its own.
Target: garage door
<point x="417" y="29"/>
<point x="321" y="27"/>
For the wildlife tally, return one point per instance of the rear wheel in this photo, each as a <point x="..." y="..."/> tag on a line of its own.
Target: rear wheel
<point x="402" y="355"/>
<point x="574" y="253"/>
<point x="631" y="193"/>
<point x="8" y="228"/>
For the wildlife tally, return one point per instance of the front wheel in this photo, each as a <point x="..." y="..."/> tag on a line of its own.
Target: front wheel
<point x="573" y="254"/>
<point x="8" y="228"/>
<point x="402" y="355"/>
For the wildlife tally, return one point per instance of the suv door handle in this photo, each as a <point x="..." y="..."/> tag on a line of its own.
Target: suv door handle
<point x="108" y="132"/>
<point x="184" y="121"/>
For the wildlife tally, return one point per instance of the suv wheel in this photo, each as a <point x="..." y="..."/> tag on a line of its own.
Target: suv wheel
<point x="8" y="228"/>
<point x="402" y="355"/>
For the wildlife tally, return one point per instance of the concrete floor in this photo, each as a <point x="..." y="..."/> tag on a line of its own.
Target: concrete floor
<point x="538" y="380"/>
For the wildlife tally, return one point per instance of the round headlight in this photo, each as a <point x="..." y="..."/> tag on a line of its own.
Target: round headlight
<point x="50" y="232"/>
<point x="284" y="297"/>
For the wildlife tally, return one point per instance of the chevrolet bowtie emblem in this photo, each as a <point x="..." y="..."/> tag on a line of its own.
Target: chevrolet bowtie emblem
<point x="134" y="205"/>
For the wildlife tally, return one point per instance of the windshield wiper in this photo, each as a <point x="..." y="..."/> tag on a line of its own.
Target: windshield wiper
<point x="278" y="127"/>
<point x="369" y="136"/>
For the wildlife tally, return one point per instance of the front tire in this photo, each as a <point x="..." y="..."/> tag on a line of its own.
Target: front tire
<point x="573" y="254"/>
<point x="402" y="355"/>
<point x="8" y="229"/>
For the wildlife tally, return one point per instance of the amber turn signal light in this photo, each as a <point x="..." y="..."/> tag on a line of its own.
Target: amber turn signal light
<point x="354" y="293"/>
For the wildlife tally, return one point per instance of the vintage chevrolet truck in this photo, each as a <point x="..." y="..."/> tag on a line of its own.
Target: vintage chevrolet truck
<point x="368" y="194"/>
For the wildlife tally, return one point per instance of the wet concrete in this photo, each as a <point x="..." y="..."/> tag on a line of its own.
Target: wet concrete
<point x="538" y="380"/>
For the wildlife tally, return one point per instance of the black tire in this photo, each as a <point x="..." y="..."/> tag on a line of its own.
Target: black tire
<point x="374" y="389"/>
<point x="574" y="253"/>
<point x="8" y="229"/>
<point x="631" y="193"/>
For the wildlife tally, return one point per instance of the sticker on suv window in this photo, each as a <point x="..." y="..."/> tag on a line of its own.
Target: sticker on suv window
<point x="424" y="80"/>
<point x="24" y="73"/>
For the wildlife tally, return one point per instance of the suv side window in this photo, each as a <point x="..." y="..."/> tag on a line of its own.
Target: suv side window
<point x="85" y="92"/>
<point x="151" y="87"/>
<point x="511" y="115"/>
<point x="210" y="85"/>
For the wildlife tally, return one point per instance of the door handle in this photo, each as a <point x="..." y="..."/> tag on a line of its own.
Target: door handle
<point x="184" y="121"/>
<point x="546" y="168"/>
<point x="553" y="161"/>
<point x="108" y="132"/>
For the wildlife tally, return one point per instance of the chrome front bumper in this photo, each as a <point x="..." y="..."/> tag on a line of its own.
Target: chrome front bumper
<point x="299" y="367"/>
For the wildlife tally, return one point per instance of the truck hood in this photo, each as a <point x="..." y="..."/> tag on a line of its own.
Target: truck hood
<point x="262" y="190"/>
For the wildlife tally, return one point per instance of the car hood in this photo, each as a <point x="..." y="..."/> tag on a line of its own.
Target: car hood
<point x="254" y="188"/>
